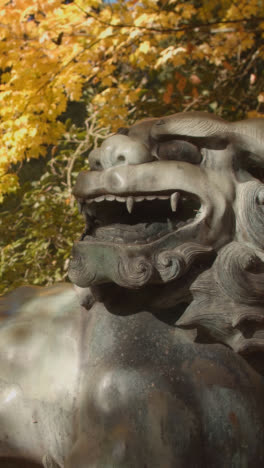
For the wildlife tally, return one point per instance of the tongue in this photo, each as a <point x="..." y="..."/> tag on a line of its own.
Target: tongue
<point x="137" y="233"/>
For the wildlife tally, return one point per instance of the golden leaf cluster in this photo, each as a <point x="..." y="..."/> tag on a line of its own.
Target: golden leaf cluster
<point x="50" y="50"/>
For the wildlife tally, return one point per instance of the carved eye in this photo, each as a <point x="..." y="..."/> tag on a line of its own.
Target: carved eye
<point x="121" y="158"/>
<point x="179" y="150"/>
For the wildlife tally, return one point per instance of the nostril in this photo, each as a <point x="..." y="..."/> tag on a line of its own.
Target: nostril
<point x="121" y="158"/>
<point x="97" y="165"/>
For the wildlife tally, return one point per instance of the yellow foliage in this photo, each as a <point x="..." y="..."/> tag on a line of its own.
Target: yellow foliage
<point x="144" y="47"/>
<point x="254" y="114"/>
<point x="243" y="9"/>
<point x="50" y="49"/>
<point x="176" y="55"/>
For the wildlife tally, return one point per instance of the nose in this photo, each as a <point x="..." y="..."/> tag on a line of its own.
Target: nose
<point x="119" y="150"/>
<point x="95" y="160"/>
<point x="104" y="158"/>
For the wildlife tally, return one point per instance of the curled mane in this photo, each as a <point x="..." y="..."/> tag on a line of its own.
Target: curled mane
<point x="228" y="298"/>
<point x="228" y="302"/>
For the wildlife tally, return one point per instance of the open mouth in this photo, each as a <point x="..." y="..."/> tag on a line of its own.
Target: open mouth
<point x="138" y="219"/>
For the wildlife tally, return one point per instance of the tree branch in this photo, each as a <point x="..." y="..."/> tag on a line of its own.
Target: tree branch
<point x="168" y="30"/>
<point x="94" y="131"/>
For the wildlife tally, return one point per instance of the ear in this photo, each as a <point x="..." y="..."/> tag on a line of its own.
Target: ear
<point x="123" y="131"/>
<point x="210" y="131"/>
<point x="189" y="126"/>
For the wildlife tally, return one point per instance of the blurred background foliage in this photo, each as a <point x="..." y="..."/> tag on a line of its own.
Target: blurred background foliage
<point x="72" y="72"/>
<point x="39" y="223"/>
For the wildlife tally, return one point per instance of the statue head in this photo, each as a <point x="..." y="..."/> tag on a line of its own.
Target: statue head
<point x="178" y="203"/>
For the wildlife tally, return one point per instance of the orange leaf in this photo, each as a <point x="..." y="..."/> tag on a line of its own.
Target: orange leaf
<point x="166" y="98"/>
<point x="169" y="88"/>
<point x="194" y="79"/>
<point x="181" y="84"/>
<point x="168" y="93"/>
<point x="227" y="65"/>
<point x="190" y="48"/>
<point x="178" y="75"/>
<point x="195" y="93"/>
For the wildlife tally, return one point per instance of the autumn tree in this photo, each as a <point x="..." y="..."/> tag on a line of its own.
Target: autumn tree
<point x="122" y="61"/>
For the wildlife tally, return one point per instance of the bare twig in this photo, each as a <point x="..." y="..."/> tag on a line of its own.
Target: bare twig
<point x="71" y="162"/>
<point x="94" y="131"/>
<point x="191" y="104"/>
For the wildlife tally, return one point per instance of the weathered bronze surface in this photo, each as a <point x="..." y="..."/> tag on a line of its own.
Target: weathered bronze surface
<point x="154" y="358"/>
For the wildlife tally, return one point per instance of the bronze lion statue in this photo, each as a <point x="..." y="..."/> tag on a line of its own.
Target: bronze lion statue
<point x="154" y="357"/>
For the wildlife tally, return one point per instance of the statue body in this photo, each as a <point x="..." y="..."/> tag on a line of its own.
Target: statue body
<point x="103" y="389"/>
<point x="154" y="359"/>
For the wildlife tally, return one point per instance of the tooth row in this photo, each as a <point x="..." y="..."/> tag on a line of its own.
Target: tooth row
<point x="123" y="199"/>
<point x="174" y="199"/>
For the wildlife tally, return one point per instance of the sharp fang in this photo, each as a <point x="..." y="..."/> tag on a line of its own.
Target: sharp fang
<point x="129" y="204"/>
<point x="174" y="201"/>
